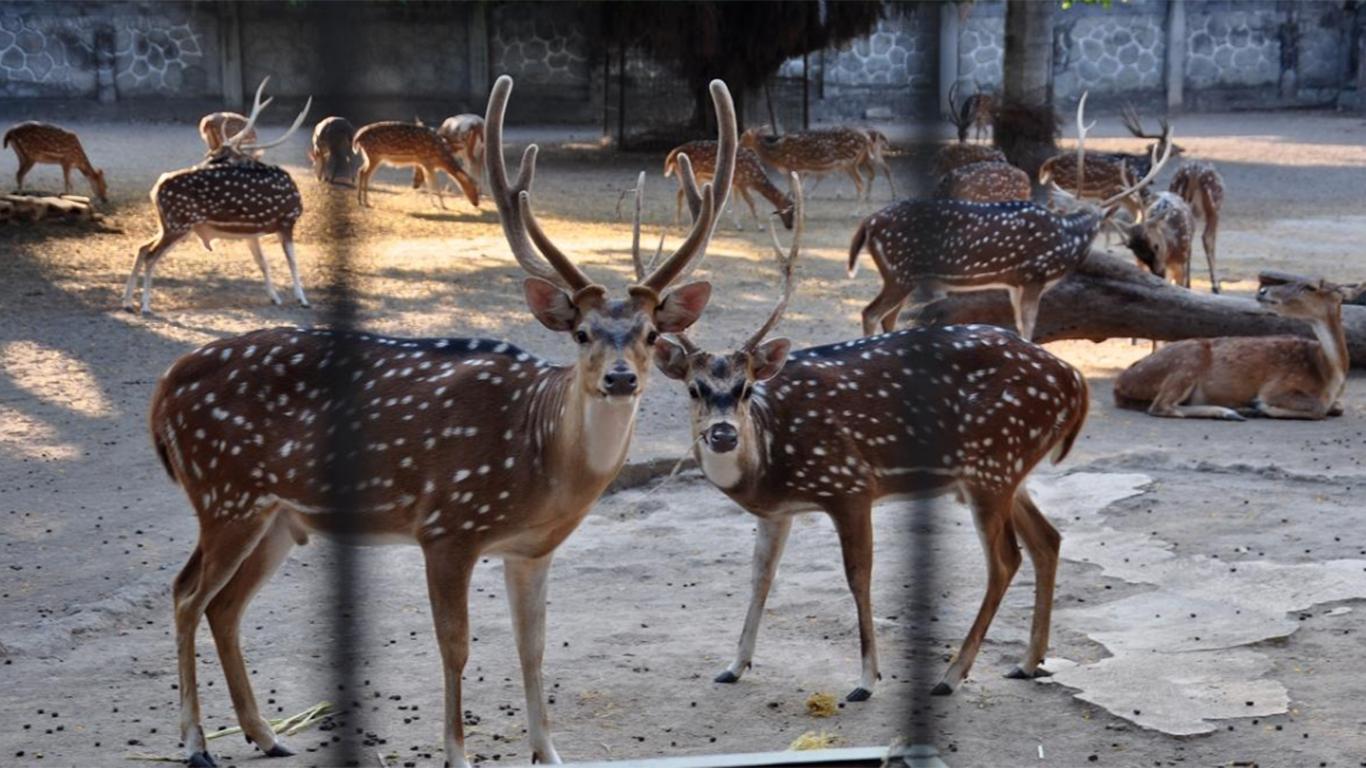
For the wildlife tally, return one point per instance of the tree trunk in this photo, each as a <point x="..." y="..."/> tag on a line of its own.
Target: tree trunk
<point x="1029" y="52"/>
<point x="1109" y="298"/>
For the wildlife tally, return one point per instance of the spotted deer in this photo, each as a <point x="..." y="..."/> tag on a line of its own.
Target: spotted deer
<point x="216" y="127"/>
<point x="952" y="156"/>
<point x="1281" y="377"/>
<point x="331" y="153"/>
<point x="813" y="153"/>
<point x="876" y="160"/>
<point x="1162" y="240"/>
<point x="985" y="182"/>
<point x="404" y="144"/>
<point x="471" y="448"/>
<point x="965" y="410"/>
<point x="229" y="196"/>
<point x="35" y="143"/>
<point x="1202" y="187"/>
<point x="975" y="111"/>
<point x="1104" y="173"/>
<point x="749" y="177"/>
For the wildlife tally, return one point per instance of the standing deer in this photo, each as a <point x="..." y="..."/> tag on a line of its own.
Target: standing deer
<point x="1201" y="186"/>
<point x="482" y="449"/>
<point x="230" y="195"/>
<point x="876" y="160"/>
<point x="331" y="153"/>
<point x="36" y="142"/>
<point x="1282" y="377"/>
<point x="973" y="112"/>
<point x="1103" y="173"/>
<point x="404" y="144"/>
<point x="464" y="134"/>
<point x="1162" y="240"/>
<point x="985" y="182"/>
<point x="813" y="153"/>
<point x="966" y="410"/>
<point x="216" y="127"/>
<point x="749" y="177"/>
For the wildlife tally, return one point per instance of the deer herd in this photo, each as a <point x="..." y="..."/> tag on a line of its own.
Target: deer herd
<point x="472" y="448"/>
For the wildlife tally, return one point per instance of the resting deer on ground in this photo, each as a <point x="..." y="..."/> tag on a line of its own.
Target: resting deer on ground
<point x="404" y="144"/>
<point x="230" y="195"/>
<point x="331" y="153"/>
<point x="813" y="153"/>
<point x="216" y="127"/>
<point x="1201" y="186"/>
<point x="965" y="410"/>
<point x="1282" y="377"/>
<point x="975" y="111"/>
<point x="35" y="143"/>
<point x="472" y="448"/>
<point x="1162" y="240"/>
<point x="953" y="156"/>
<point x="985" y="182"/>
<point x="749" y="177"/>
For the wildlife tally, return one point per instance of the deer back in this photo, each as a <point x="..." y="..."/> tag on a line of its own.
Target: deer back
<point x="813" y="151"/>
<point x="233" y="193"/>
<point x="334" y="136"/>
<point x="403" y="143"/>
<point x="1106" y="173"/>
<point x="953" y="156"/>
<point x="1200" y="185"/>
<point x="46" y="142"/>
<point x="985" y="182"/>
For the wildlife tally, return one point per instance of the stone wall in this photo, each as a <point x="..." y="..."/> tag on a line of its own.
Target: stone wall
<point x="1115" y="50"/>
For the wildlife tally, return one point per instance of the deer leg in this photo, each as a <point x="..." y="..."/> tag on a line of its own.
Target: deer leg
<point x="25" y="165"/>
<point x="887" y="171"/>
<point x="858" y="182"/>
<point x="66" y="178"/>
<point x="754" y="212"/>
<point x="768" y="550"/>
<point x="434" y="187"/>
<point x="133" y="276"/>
<point x="1024" y="300"/>
<point x="891" y="297"/>
<point x="367" y="169"/>
<point x="1177" y="388"/>
<point x="448" y="585"/>
<point x="526" y="586"/>
<point x="225" y="618"/>
<point x="991" y="513"/>
<point x="148" y="256"/>
<point x="890" y="319"/>
<point x="255" y="245"/>
<point x="854" y="523"/>
<point x="1043" y="543"/>
<point x="1290" y="405"/>
<point x="208" y="570"/>
<point x="1207" y="239"/>
<point x="287" y="242"/>
<point x="419" y="177"/>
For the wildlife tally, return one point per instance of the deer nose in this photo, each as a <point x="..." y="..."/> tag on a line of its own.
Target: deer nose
<point x="722" y="438"/>
<point x="619" y="383"/>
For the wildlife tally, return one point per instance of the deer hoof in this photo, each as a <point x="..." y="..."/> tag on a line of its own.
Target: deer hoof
<point x="201" y="760"/>
<point x="1018" y="673"/>
<point x="279" y="750"/>
<point x="859" y="694"/>
<point x="943" y="689"/>
<point x="726" y="677"/>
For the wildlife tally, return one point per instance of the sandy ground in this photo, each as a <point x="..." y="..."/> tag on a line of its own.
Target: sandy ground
<point x="648" y="595"/>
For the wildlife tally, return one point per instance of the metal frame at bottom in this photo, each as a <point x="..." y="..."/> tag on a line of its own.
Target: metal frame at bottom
<point x="919" y="756"/>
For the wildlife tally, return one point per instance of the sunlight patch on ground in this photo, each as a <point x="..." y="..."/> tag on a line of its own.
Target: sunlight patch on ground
<point x="54" y="377"/>
<point x="22" y="435"/>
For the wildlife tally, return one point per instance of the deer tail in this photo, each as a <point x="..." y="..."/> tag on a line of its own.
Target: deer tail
<point x="7" y="135"/>
<point x="856" y="246"/>
<point x="160" y="441"/>
<point x="1074" y="428"/>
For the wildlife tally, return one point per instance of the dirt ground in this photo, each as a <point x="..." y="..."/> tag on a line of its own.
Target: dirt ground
<point x="647" y="597"/>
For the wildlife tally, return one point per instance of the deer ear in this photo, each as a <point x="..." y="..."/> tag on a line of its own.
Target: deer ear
<point x="681" y="307"/>
<point x="671" y="359"/>
<point x="768" y="359"/>
<point x="549" y="304"/>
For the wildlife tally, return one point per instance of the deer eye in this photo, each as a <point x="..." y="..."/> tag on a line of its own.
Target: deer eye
<point x="746" y="392"/>
<point x="693" y="393"/>
<point x="581" y="336"/>
<point x="651" y="338"/>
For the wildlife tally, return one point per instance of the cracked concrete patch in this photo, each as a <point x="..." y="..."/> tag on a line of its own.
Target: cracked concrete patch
<point x="1180" y="659"/>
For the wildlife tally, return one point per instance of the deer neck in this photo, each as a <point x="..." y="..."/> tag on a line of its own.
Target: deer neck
<point x="1333" y="343"/>
<point x="586" y="430"/>
<point x="773" y="194"/>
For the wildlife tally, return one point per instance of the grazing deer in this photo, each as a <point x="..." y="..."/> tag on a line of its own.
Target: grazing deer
<point x="953" y="156"/>
<point x="404" y="144"/>
<point x="1162" y="240"/>
<point x="1201" y="186"/>
<point x="975" y="111"/>
<point x="933" y="247"/>
<point x="483" y="450"/>
<point x="36" y="142"/>
<point x="464" y="134"/>
<point x="966" y="410"/>
<point x="813" y="153"/>
<point x="876" y="160"/>
<point x="749" y="177"/>
<point x="985" y="182"/>
<point x="216" y="127"/>
<point x="1282" y="377"/>
<point x="230" y="195"/>
<point x="331" y="153"/>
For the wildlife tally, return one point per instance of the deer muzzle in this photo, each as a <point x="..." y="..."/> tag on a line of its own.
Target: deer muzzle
<point x="722" y="437"/>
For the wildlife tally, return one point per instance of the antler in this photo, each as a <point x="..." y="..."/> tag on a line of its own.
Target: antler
<point x="1133" y="123"/>
<point x="707" y="203"/>
<point x="514" y="201"/>
<point x="1082" y="128"/>
<point x="256" y="107"/>
<point x="956" y="111"/>
<point x="785" y="265"/>
<point x="1156" y="163"/>
<point x="298" y="121"/>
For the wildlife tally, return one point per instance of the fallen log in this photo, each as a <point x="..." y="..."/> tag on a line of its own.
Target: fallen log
<point x="31" y="208"/>
<point x="1109" y="298"/>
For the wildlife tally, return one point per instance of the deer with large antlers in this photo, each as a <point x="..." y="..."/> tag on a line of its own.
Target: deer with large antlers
<point x="472" y="448"/>
<point x="35" y="143"/>
<point x="1281" y="377"/>
<point x="966" y="410"/>
<point x="749" y="177"/>
<point x="229" y="196"/>
<point x="405" y="144"/>
<point x="216" y="127"/>
<point x="934" y="247"/>
<point x="1099" y="175"/>
<point x="1201" y="186"/>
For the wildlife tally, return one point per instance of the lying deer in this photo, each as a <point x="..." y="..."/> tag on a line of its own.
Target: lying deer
<point x="216" y="127"/>
<point x="953" y="156"/>
<point x="230" y="195"/>
<point x="1162" y="240"/>
<point x="1201" y="186"/>
<point x="985" y="182"/>
<point x="965" y="410"/>
<point x="36" y="143"/>
<point x="933" y="247"/>
<point x="975" y="111"/>
<point x="1282" y="377"/>
<point x="404" y="144"/>
<point x="483" y="451"/>
<point x="813" y="153"/>
<point x="749" y="177"/>
<point x="331" y="153"/>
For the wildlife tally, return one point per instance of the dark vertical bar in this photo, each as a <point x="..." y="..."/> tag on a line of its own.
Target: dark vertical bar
<point x="606" y="95"/>
<point x="621" y="96"/>
<point x="806" y="91"/>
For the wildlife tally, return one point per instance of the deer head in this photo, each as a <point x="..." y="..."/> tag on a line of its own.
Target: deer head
<point x="615" y="337"/>
<point x="1300" y="297"/>
<point x="723" y="386"/>
<point x="236" y="147"/>
<point x="1107" y="207"/>
<point x="97" y="180"/>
